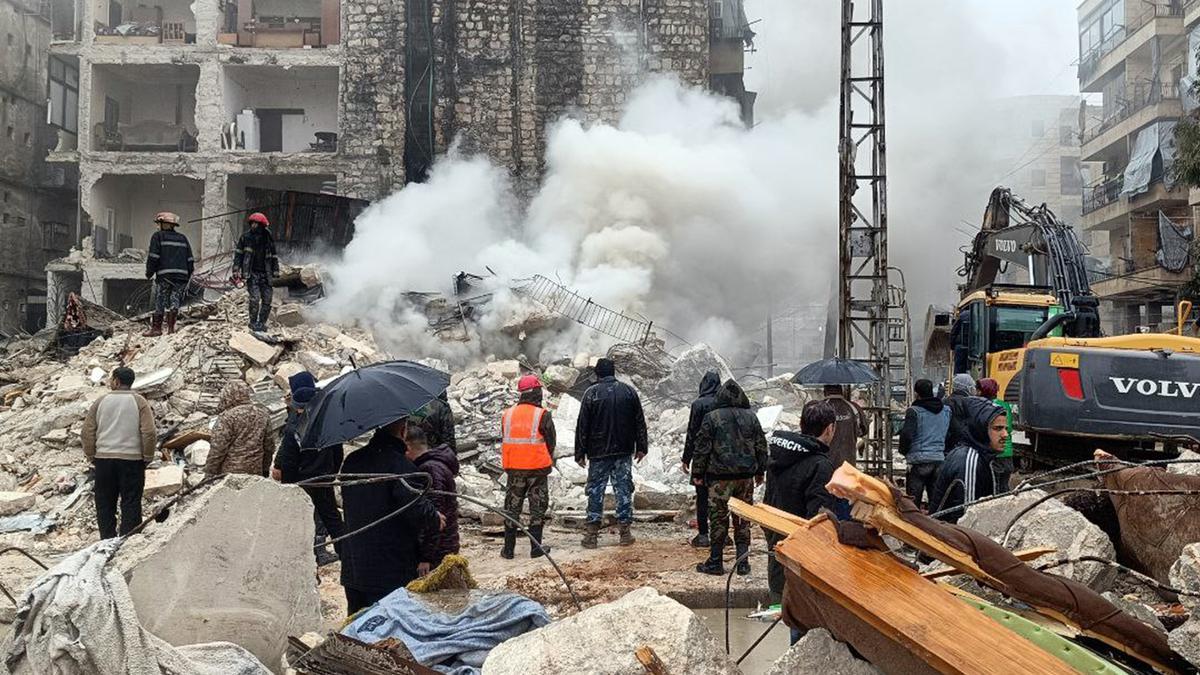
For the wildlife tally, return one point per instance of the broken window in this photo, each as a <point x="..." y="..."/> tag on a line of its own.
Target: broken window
<point x="1070" y="180"/>
<point x="64" y="95"/>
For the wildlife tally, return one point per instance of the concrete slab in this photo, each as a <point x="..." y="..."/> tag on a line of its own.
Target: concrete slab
<point x="163" y="482"/>
<point x="233" y="562"/>
<point x="16" y="502"/>
<point x="254" y="349"/>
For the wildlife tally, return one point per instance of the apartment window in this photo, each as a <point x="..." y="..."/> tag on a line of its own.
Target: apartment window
<point x="1037" y="178"/>
<point x="8" y="131"/>
<point x="1100" y="28"/>
<point x="1066" y="135"/>
<point x="64" y="95"/>
<point x="1038" y="129"/>
<point x="28" y="140"/>
<point x="1070" y="180"/>
<point x="10" y="39"/>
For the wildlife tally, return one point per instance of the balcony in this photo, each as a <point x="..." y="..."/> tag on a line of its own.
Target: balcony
<point x="1102" y="194"/>
<point x="1123" y="41"/>
<point x="1148" y="103"/>
<point x="1146" y="282"/>
<point x="1105" y="208"/>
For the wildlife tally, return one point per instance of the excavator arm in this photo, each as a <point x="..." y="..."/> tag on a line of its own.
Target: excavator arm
<point x="1034" y="238"/>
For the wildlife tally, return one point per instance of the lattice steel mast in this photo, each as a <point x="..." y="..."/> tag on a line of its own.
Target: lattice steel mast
<point x="862" y="223"/>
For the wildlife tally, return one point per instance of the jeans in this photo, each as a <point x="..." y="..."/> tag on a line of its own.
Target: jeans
<point x="119" y="480"/>
<point x="796" y="635"/>
<point x="1002" y="471"/>
<point x="258" y="286"/>
<point x="600" y="471"/>
<point x="919" y="481"/>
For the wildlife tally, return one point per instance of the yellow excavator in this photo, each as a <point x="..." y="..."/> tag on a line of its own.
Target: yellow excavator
<point x="1072" y="389"/>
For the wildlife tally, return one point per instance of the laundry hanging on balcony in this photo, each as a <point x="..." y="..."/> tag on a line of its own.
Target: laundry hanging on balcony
<point x="1151" y="159"/>
<point x="1174" y="244"/>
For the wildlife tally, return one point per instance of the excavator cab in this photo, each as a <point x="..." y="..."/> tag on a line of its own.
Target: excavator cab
<point x="994" y="322"/>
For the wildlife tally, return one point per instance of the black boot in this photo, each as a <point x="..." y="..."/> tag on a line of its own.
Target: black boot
<point x="743" y="566"/>
<point x="537" y="550"/>
<point x="510" y="543"/>
<point x="714" y="564"/>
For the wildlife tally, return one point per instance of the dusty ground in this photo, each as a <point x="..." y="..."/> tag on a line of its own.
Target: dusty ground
<point x="661" y="558"/>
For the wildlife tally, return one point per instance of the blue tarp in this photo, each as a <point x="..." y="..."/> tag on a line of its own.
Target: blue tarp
<point x="455" y="644"/>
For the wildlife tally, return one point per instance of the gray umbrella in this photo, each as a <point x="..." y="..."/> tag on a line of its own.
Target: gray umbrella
<point x="835" y="371"/>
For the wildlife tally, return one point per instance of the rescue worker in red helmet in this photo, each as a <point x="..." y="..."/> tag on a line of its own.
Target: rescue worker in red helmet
<point x="255" y="261"/>
<point x="170" y="263"/>
<point x="527" y="455"/>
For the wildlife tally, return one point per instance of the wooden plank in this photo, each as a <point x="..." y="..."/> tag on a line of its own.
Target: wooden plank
<point x="650" y="661"/>
<point x="871" y="502"/>
<point x="1024" y="555"/>
<point x="773" y="519"/>
<point x="909" y="610"/>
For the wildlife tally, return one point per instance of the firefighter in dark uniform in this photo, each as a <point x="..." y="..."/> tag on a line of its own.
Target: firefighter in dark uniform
<point x="255" y="261"/>
<point x="170" y="263"/>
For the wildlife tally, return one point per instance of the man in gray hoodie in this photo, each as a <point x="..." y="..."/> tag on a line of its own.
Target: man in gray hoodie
<point x="923" y="441"/>
<point x="119" y="438"/>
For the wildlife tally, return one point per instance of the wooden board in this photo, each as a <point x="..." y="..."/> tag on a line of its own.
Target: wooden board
<point x="909" y="610"/>
<point x="871" y="502"/>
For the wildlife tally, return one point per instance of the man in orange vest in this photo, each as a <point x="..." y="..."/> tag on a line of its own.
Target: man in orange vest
<point x="527" y="454"/>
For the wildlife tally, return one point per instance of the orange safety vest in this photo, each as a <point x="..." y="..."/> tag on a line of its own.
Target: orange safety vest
<point x="523" y="446"/>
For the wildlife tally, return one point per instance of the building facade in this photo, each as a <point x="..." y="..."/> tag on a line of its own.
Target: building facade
<point x="191" y="105"/>
<point x="1134" y="55"/>
<point x="37" y="201"/>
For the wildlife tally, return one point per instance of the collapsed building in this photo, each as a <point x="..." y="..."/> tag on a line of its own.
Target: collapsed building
<point x="211" y="107"/>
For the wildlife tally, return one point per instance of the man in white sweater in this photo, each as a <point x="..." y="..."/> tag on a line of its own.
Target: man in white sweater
<point x="119" y="438"/>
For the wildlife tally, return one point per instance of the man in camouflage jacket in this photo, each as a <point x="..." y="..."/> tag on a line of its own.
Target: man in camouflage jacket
<point x="241" y="440"/>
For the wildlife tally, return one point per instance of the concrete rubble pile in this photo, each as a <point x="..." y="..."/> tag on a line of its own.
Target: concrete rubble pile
<point x="44" y="401"/>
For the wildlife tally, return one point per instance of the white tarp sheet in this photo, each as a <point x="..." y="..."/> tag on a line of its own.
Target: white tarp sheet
<point x="79" y="618"/>
<point x="1155" y="141"/>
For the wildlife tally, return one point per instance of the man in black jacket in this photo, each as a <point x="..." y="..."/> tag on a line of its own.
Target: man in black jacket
<point x="609" y="434"/>
<point x="966" y="475"/>
<point x="385" y="557"/>
<point x="703" y="405"/>
<point x="797" y="472"/>
<point x="962" y="388"/>
<point x="255" y="261"/>
<point x="170" y="263"/>
<point x="730" y="458"/>
<point x="293" y="464"/>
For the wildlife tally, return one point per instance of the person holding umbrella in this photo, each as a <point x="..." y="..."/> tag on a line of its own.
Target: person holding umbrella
<point x="385" y="520"/>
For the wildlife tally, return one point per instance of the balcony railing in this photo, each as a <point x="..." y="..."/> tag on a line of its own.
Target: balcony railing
<point x="1089" y="62"/>
<point x="1144" y="96"/>
<point x="1102" y="194"/>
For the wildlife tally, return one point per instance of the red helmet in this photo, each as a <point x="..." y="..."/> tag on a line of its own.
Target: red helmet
<point x="528" y="382"/>
<point x="259" y="218"/>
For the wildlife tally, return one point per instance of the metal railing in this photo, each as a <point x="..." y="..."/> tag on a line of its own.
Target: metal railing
<point x="1144" y="96"/>
<point x="1089" y="62"/>
<point x="1102" y="194"/>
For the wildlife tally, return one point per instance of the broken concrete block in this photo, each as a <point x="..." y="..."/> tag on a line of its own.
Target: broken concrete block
<point x="1185" y="640"/>
<point x="559" y="378"/>
<point x="310" y="275"/>
<point x="254" y="349"/>
<point x="56" y="436"/>
<point x="508" y="369"/>
<point x="1053" y="524"/>
<point x="254" y="375"/>
<point x="289" y="315"/>
<point x="331" y="332"/>
<point x="233" y="562"/>
<point x="12" y="503"/>
<point x="163" y="482"/>
<point x="819" y="653"/>
<point x="580" y="643"/>
<point x="687" y="371"/>
<point x="285" y="371"/>
<point x="1185" y="575"/>
<point x="357" y="345"/>
<point x="1188" y="468"/>
<point x="196" y="453"/>
<point x="318" y="364"/>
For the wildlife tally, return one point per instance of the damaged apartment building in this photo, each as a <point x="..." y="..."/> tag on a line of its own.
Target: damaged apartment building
<point x="37" y="200"/>
<point x="210" y="107"/>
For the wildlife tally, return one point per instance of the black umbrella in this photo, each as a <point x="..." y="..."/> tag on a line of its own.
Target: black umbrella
<point x="836" y="371"/>
<point x="368" y="398"/>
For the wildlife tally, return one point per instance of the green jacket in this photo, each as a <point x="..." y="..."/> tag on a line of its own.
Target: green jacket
<point x="731" y="443"/>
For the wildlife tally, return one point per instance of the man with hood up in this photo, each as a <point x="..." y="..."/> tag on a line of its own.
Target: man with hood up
<point x="704" y="404"/>
<point x="961" y="389"/>
<point x="1003" y="465"/>
<point x="923" y="441"/>
<point x="438" y="423"/>
<point x="294" y="464"/>
<point x="527" y="455"/>
<point x="797" y="472"/>
<point x="730" y="459"/>
<point x="241" y="440"/>
<point x="442" y="466"/>
<point x="966" y="475"/>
